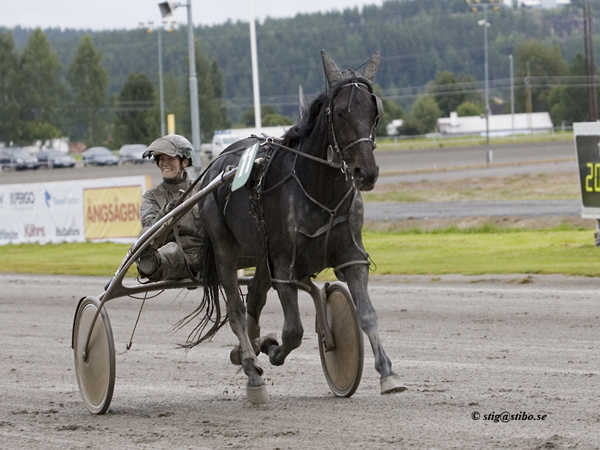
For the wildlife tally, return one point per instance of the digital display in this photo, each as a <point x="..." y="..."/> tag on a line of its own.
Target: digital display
<point x="588" y="157"/>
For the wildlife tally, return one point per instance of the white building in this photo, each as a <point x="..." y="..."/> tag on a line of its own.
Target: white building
<point x="392" y="127"/>
<point x="546" y="4"/>
<point x="499" y="124"/>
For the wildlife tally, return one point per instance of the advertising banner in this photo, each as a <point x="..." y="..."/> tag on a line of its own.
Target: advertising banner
<point x="72" y="211"/>
<point x="112" y="212"/>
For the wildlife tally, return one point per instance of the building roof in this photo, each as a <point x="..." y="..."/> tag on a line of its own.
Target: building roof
<point x="500" y="124"/>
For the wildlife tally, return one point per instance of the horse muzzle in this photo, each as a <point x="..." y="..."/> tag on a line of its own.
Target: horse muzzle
<point x="364" y="180"/>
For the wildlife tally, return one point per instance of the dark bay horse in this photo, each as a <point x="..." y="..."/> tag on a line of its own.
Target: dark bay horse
<point x="300" y="213"/>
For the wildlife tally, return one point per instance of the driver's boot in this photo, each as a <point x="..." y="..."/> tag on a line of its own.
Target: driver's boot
<point x="149" y="265"/>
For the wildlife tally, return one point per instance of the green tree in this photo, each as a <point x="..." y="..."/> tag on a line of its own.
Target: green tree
<point x="537" y="64"/>
<point x="411" y="127"/>
<point x="175" y="103"/>
<point x="210" y="90"/>
<point x="42" y="91"/>
<point x="468" y="109"/>
<point x="426" y="111"/>
<point x="447" y="92"/>
<point x="391" y="111"/>
<point x="569" y="104"/>
<point x="450" y="91"/>
<point x="89" y="83"/>
<point x="247" y="119"/>
<point x="136" y="119"/>
<point x="272" y="120"/>
<point x="9" y="107"/>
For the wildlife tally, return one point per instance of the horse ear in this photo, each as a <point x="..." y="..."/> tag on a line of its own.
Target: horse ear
<point x="371" y="68"/>
<point x="332" y="71"/>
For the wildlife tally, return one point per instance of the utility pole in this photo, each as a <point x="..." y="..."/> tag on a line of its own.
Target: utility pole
<point x="590" y="68"/>
<point x="512" y="94"/>
<point x="528" y="100"/>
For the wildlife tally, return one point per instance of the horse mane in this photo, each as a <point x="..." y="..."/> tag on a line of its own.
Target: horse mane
<point x="307" y="122"/>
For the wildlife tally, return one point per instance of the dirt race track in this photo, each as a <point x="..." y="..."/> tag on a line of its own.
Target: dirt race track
<point x="486" y="345"/>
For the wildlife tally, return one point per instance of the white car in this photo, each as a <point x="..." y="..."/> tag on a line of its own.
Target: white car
<point x="133" y="153"/>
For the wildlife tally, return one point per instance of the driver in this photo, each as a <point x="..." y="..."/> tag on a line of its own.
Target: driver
<point x="178" y="252"/>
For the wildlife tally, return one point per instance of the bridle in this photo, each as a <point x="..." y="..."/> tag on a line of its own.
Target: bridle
<point x="335" y="154"/>
<point x="334" y="148"/>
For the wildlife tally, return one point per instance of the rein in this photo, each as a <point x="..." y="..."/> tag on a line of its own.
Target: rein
<point x="343" y="167"/>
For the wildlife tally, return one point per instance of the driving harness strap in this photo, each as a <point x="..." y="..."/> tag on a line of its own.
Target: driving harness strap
<point x="257" y="191"/>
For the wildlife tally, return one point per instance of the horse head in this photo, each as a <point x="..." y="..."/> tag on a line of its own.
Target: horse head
<point x="353" y="111"/>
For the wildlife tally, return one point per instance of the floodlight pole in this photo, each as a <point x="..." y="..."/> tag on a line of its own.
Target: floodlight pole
<point x="255" y="82"/>
<point x="166" y="9"/>
<point x="160" y="84"/>
<point x="475" y="7"/>
<point x="489" y="155"/>
<point x="194" y="106"/>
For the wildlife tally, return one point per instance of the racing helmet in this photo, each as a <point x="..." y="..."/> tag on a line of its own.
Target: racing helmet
<point x="171" y="145"/>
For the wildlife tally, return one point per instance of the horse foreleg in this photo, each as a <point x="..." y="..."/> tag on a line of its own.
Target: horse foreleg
<point x="257" y="298"/>
<point x="291" y="335"/>
<point x="256" y="391"/>
<point x="357" y="277"/>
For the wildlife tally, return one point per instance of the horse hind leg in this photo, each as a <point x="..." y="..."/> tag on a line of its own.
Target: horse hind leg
<point x="258" y="287"/>
<point x="256" y="391"/>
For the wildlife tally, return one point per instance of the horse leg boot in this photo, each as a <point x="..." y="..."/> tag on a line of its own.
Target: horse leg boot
<point x="357" y="277"/>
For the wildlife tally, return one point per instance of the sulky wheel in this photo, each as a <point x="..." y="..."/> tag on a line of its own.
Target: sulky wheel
<point x="343" y="365"/>
<point x="96" y="374"/>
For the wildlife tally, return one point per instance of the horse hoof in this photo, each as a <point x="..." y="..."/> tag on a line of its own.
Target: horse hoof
<point x="257" y="395"/>
<point x="266" y="342"/>
<point x="235" y="356"/>
<point x="391" y="384"/>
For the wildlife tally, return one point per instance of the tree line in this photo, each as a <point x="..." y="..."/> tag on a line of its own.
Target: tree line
<point x="40" y="101"/>
<point x="102" y="87"/>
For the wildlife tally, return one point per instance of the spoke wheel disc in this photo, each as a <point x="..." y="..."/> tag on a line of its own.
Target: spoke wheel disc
<point x="96" y="374"/>
<point x="344" y="364"/>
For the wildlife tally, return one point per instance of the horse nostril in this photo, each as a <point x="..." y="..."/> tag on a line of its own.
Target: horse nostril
<point x="358" y="174"/>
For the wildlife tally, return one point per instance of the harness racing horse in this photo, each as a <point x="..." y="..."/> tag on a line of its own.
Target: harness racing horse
<point x="300" y="213"/>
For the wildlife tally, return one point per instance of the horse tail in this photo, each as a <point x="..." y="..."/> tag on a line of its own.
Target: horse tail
<point x="209" y="309"/>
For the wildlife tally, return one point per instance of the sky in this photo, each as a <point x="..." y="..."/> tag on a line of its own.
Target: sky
<point x="127" y="14"/>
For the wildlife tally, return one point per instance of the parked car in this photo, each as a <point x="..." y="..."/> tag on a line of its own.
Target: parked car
<point x="133" y="153"/>
<point x="54" y="158"/>
<point x="99" y="156"/>
<point x="220" y="142"/>
<point x="17" y="158"/>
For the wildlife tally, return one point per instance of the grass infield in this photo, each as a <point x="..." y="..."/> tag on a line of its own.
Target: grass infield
<point x="483" y="250"/>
